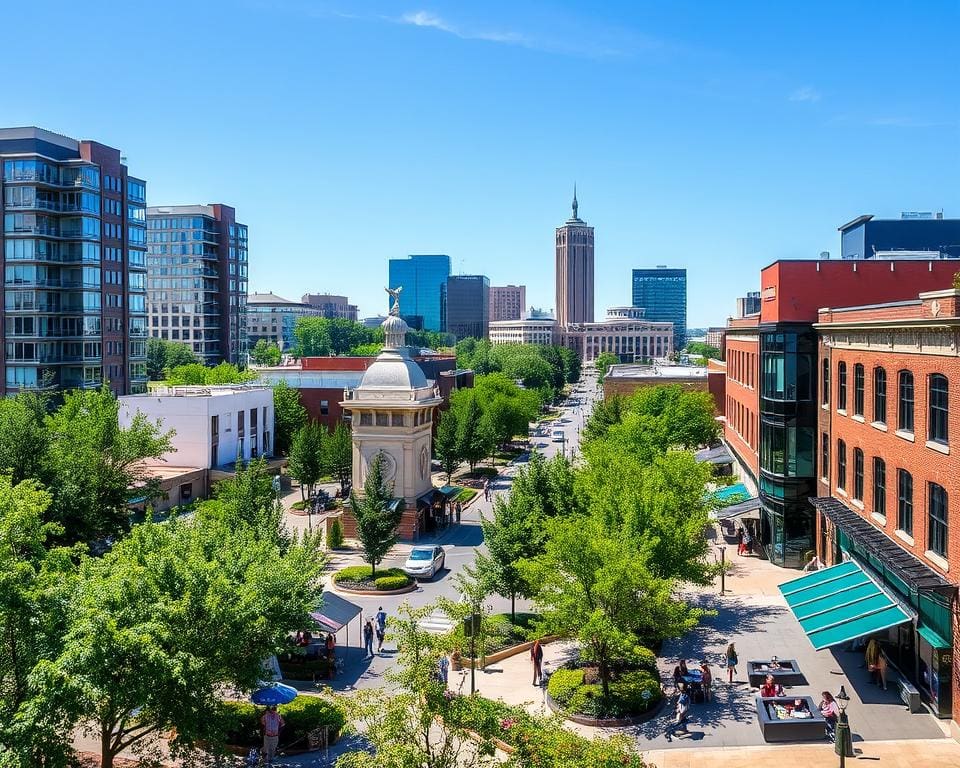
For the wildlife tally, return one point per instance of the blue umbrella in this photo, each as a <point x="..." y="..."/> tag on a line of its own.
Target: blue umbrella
<point x="276" y="693"/>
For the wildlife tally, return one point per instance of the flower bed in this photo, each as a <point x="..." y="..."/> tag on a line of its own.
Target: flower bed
<point x="542" y="742"/>
<point x="303" y="716"/>
<point x="360" y="578"/>
<point x="578" y="692"/>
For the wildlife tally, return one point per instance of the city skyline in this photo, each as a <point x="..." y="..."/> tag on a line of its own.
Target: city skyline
<point x="688" y="120"/>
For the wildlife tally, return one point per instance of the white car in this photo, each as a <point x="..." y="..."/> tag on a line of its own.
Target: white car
<point x="424" y="562"/>
<point x="557" y="436"/>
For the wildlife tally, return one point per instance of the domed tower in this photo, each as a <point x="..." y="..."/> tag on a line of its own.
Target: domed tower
<point x="392" y="412"/>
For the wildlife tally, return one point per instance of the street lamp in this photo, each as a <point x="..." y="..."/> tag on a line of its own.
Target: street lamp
<point x="723" y="569"/>
<point x="843" y="744"/>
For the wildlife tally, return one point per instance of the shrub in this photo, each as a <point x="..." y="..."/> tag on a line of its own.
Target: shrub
<point x="645" y="659"/>
<point x="335" y="535"/>
<point x="587" y="700"/>
<point x="628" y="692"/>
<point x="353" y="573"/>
<point x="240" y="720"/>
<point x="563" y="683"/>
<point x="391" y="582"/>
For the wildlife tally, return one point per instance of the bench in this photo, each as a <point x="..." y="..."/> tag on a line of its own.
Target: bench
<point x="909" y="695"/>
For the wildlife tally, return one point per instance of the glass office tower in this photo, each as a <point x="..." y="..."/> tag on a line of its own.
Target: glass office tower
<point x="466" y="306"/>
<point x="662" y="292"/>
<point x="197" y="280"/>
<point x="73" y="249"/>
<point x="423" y="279"/>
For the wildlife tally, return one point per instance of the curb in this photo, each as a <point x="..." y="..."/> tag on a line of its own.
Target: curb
<point x="594" y="722"/>
<point x="506" y="653"/>
<point x="337" y="588"/>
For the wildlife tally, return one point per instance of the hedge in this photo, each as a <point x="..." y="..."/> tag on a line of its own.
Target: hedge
<point x="241" y="721"/>
<point x="626" y="694"/>
<point x="361" y="573"/>
<point x="563" y="684"/>
<point x="391" y="582"/>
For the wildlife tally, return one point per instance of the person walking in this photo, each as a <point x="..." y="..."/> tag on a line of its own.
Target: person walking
<point x="331" y="645"/>
<point x="680" y="712"/>
<point x="443" y="669"/>
<point x="706" y="679"/>
<point x="536" y="658"/>
<point x="748" y="542"/>
<point x="870" y="657"/>
<point x="882" y="669"/>
<point x="368" y="638"/>
<point x="740" y="541"/>
<point x="272" y="722"/>
<point x="381" y="619"/>
<point x="731" y="662"/>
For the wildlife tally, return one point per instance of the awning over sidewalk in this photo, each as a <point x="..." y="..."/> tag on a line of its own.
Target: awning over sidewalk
<point x="716" y="455"/>
<point x="334" y="612"/>
<point x="744" y="509"/>
<point x="840" y="603"/>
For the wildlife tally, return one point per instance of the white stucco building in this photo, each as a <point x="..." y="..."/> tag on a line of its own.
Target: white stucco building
<point x="624" y="332"/>
<point x="525" y="331"/>
<point x="215" y="426"/>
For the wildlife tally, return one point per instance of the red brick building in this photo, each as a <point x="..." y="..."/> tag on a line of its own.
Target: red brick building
<point x="888" y="470"/>
<point x="741" y="395"/>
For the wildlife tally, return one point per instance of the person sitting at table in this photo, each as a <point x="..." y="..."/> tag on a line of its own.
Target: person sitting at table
<point x="680" y="672"/>
<point x="829" y="709"/>
<point x="799" y="705"/>
<point x="771" y="688"/>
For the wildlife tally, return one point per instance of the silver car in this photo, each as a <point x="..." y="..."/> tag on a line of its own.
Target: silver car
<point x="424" y="562"/>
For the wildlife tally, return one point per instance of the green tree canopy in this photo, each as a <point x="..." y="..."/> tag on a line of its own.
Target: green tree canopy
<point x="163" y="355"/>
<point x="446" y="445"/>
<point x="196" y="374"/>
<point x="338" y="455"/>
<point x="603" y="362"/>
<point x="707" y="351"/>
<point x="289" y="415"/>
<point x="23" y="436"/>
<point x="306" y="457"/>
<point x="376" y="515"/>
<point x="265" y="353"/>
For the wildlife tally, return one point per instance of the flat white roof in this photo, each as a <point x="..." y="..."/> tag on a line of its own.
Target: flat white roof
<point x="657" y="371"/>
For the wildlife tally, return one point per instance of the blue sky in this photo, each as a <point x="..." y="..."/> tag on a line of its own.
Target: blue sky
<point x="715" y="136"/>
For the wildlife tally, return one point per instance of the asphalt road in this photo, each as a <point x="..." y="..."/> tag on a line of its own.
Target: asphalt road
<point x="460" y="542"/>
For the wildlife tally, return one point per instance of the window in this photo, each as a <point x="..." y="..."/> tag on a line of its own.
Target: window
<point x="858" y="474"/>
<point x="937" y="538"/>
<point x="842" y="387"/>
<point x="841" y="464"/>
<point x="937" y="425"/>
<point x="858" y="383"/>
<point x="879" y="486"/>
<point x="905" y="401"/>
<point x="324" y="407"/>
<point x="824" y="455"/>
<point x="186" y="492"/>
<point x="905" y="501"/>
<point x="825" y="383"/>
<point x="880" y="395"/>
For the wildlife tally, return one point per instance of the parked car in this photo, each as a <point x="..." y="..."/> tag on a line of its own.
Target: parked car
<point x="425" y="562"/>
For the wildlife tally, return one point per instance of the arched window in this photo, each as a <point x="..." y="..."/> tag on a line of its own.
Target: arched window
<point x="842" y="386"/>
<point x="937" y="423"/>
<point x="905" y="401"/>
<point x="880" y="395"/>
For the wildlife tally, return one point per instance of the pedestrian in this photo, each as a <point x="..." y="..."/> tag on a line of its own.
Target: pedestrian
<point x="368" y="638"/>
<point x="459" y="510"/>
<point x="680" y="712"/>
<point x="272" y="722"/>
<point x="731" y="662"/>
<point x="331" y="645"/>
<point x="830" y="712"/>
<point x="536" y="658"/>
<point x="748" y="542"/>
<point x="381" y="627"/>
<point x="443" y="668"/>
<point x="870" y="657"/>
<point x="706" y="679"/>
<point x="740" y="540"/>
<point x="882" y="669"/>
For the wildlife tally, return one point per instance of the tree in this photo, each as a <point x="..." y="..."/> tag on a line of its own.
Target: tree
<point x="170" y="617"/>
<point x="23" y="436"/>
<point x="599" y="588"/>
<point x="370" y="349"/>
<point x="415" y="722"/>
<point x="98" y="465"/>
<point x="473" y="439"/>
<point x="306" y="457"/>
<point x="603" y="362"/>
<point x="196" y="374"/>
<point x="706" y="351"/>
<point x="248" y="500"/>
<point x="163" y="355"/>
<point x="376" y="514"/>
<point x="265" y="353"/>
<point x="446" y="445"/>
<point x="288" y="416"/>
<point x="606" y="413"/>
<point x="313" y="336"/>
<point x="506" y="408"/>
<point x="513" y="533"/>
<point x="345" y="335"/>
<point x="338" y="455"/>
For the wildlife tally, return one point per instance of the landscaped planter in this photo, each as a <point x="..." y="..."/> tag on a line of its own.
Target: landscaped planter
<point x="353" y="581"/>
<point x="778" y="729"/>
<point x="786" y="672"/>
<point x="410" y="588"/>
<point x="598" y="722"/>
<point x="506" y="653"/>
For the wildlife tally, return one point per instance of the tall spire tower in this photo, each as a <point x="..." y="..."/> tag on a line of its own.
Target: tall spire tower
<point x="574" y="245"/>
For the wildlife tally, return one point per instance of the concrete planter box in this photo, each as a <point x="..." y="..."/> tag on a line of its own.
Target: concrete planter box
<point x="790" y="729"/>
<point x="506" y="653"/>
<point x="787" y="672"/>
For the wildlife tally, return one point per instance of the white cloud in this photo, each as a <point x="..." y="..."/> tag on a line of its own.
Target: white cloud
<point x="805" y="93"/>
<point x="433" y="21"/>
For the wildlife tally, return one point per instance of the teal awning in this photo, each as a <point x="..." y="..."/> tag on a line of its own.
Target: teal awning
<point x="450" y="491"/>
<point x="837" y="604"/>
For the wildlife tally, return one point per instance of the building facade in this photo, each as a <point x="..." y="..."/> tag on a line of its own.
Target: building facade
<point x="662" y="292"/>
<point x="772" y="387"/>
<point x="574" y="270"/>
<point x="528" y="331"/>
<point x="422" y="278"/>
<point x="465" y="300"/>
<point x="625" y="332"/>
<point x="274" y="318"/>
<point x="749" y="304"/>
<point x="74" y="256"/>
<point x="215" y="426"/>
<point x="888" y="479"/>
<point x="715" y="337"/>
<point x="915" y="236"/>
<point x="331" y="306"/>
<point x="197" y="279"/>
<point x="507" y="302"/>
<point x="625" y="379"/>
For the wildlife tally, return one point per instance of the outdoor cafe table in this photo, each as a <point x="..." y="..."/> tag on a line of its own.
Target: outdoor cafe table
<point x="694" y="680"/>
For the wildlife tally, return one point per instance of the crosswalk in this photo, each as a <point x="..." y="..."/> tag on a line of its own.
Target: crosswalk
<point x="437" y="623"/>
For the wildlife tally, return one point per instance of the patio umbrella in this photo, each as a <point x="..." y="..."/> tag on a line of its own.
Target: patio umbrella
<point x="274" y="694"/>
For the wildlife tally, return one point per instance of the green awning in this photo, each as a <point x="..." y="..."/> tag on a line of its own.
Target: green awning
<point x="932" y="637"/>
<point x="840" y="603"/>
<point x="450" y="491"/>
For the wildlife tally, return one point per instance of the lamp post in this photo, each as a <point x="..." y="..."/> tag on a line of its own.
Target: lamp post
<point x="723" y="569"/>
<point x="843" y="744"/>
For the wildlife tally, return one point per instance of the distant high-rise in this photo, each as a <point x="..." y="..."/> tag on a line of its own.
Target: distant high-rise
<point x="73" y="246"/>
<point x="574" y="271"/>
<point x="331" y="306"/>
<point x="912" y="236"/>
<point x="197" y="279"/>
<point x="749" y="304"/>
<point x="466" y="306"/>
<point x="507" y="302"/>
<point x="422" y="278"/>
<point x="662" y="292"/>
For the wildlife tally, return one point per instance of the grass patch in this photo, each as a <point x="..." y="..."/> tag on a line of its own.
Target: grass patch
<point x="362" y="577"/>
<point x="466" y="495"/>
